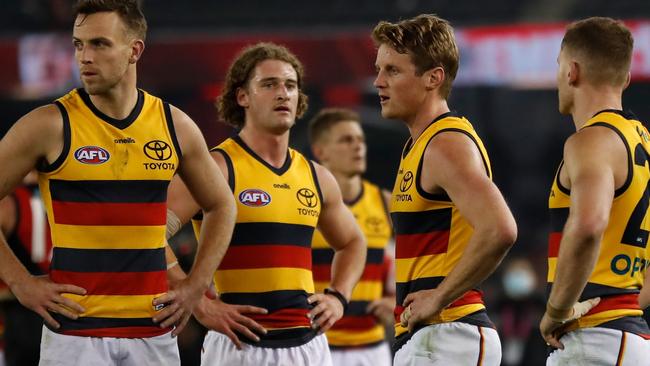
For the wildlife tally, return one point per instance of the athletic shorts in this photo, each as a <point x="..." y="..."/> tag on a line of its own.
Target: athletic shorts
<point x="65" y="350"/>
<point x="454" y="343"/>
<point x="218" y="350"/>
<point x="377" y="355"/>
<point x="601" y="346"/>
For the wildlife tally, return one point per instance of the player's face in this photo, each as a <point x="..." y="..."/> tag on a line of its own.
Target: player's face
<point x="103" y="50"/>
<point x="271" y="96"/>
<point x="401" y="91"/>
<point x="344" y="149"/>
<point x="565" y="98"/>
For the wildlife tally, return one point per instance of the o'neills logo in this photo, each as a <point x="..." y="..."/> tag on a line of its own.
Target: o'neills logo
<point x="254" y="198"/>
<point x="91" y="155"/>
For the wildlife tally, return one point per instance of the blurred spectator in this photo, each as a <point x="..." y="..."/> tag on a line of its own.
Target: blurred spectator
<point x="518" y="312"/>
<point x="24" y="224"/>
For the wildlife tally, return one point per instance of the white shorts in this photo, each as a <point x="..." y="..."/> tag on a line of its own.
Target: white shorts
<point x="64" y="350"/>
<point x="218" y="350"/>
<point x="601" y="346"/>
<point x="378" y="355"/>
<point x="454" y="343"/>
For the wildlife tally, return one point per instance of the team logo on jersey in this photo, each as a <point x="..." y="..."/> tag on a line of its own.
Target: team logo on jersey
<point x="307" y="197"/>
<point x="374" y="224"/>
<point x="157" y="150"/>
<point x="91" y="155"/>
<point x="407" y="181"/>
<point x="254" y="198"/>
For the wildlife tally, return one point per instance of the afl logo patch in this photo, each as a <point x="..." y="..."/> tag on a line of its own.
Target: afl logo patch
<point x="254" y="198"/>
<point x="157" y="150"/>
<point x="91" y="155"/>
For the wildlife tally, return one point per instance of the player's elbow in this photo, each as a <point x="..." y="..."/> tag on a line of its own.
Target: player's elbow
<point x="503" y="233"/>
<point x="588" y="229"/>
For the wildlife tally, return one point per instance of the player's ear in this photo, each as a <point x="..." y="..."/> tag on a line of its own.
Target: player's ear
<point x="242" y="97"/>
<point x="434" y="78"/>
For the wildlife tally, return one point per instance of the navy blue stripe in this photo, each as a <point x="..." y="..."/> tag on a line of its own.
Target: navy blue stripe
<point x="558" y="218"/>
<point x="421" y="222"/>
<point x="633" y="324"/>
<point x="108" y="260"/>
<point x="282" y="338"/>
<point x="271" y="301"/>
<point x="596" y="290"/>
<point x="405" y="288"/>
<point x="83" y="323"/>
<point x="258" y="233"/>
<point x="115" y="191"/>
<point x="357" y="308"/>
<point x="326" y="255"/>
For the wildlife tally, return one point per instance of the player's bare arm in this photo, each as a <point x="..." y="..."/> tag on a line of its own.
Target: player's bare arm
<point x="452" y="163"/>
<point x="338" y="226"/>
<point x="209" y="189"/>
<point x="212" y="313"/>
<point x="644" y="295"/>
<point x="36" y="138"/>
<point x="592" y="171"/>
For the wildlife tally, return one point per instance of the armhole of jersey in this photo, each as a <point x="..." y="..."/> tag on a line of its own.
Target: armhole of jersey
<point x="562" y="188"/>
<point x="172" y="130"/>
<point x="48" y="168"/>
<point x="198" y="216"/>
<point x="316" y="182"/>
<point x="630" y="158"/>
<point x="444" y="196"/>
<point x="229" y="167"/>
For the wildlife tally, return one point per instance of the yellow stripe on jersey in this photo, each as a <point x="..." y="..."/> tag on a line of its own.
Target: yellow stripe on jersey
<point x="263" y="280"/>
<point x="103" y="306"/>
<point x="108" y="237"/>
<point x="420" y="267"/>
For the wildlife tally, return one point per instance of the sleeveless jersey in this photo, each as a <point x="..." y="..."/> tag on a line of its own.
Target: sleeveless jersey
<point x="357" y="327"/>
<point x="430" y="233"/>
<point x="106" y="204"/>
<point x="268" y="262"/>
<point x="620" y="268"/>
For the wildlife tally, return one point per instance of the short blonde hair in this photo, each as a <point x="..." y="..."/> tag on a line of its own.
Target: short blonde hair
<point x="430" y="42"/>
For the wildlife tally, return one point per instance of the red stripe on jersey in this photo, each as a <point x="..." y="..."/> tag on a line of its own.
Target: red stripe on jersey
<point x="285" y="318"/>
<point x="554" y="244"/>
<point x="115" y="283"/>
<point x="322" y="272"/>
<point x="470" y="297"/>
<point x="119" y="332"/>
<point x="122" y="214"/>
<point x="356" y="323"/>
<point x="627" y="301"/>
<point x="266" y="256"/>
<point x="417" y="245"/>
<point x="373" y="272"/>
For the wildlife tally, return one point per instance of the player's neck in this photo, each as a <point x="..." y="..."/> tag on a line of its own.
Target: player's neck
<point x="351" y="186"/>
<point x="592" y="101"/>
<point x="425" y="115"/>
<point x="120" y="100"/>
<point x="270" y="147"/>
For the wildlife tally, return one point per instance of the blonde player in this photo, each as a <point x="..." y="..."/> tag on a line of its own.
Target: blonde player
<point x="452" y="225"/>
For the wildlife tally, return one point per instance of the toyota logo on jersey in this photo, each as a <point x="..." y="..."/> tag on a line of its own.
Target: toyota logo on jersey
<point x="254" y="198"/>
<point x="91" y="155"/>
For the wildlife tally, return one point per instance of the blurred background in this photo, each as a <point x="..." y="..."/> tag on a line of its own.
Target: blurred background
<point x="504" y="86"/>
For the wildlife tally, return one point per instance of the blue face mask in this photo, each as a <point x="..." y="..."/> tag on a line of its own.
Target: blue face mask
<point x="518" y="283"/>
